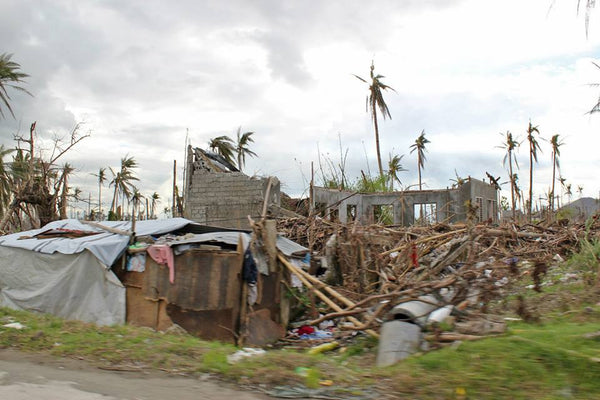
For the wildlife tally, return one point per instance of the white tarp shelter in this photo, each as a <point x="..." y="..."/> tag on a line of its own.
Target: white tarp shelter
<point x="70" y="277"/>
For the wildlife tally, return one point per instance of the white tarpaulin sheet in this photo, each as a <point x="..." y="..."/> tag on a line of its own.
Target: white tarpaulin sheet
<point x="106" y="246"/>
<point x="71" y="286"/>
<point x="71" y="277"/>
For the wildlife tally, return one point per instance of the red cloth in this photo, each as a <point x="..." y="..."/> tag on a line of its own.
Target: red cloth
<point x="306" y="330"/>
<point x="414" y="256"/>
<point x="163" y="254"/>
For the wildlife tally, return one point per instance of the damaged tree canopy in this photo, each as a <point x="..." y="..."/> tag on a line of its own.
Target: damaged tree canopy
<point x="39" y="188"/>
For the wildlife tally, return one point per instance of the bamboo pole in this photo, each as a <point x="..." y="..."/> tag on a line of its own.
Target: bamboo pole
<point x="319" y="294"/>
<point x="107" y="228"/>
<point x="327" y="288"/>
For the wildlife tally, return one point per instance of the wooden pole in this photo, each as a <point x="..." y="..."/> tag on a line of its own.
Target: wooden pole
<point x="174" y="205"/>
<point x="266" y="200"/>
<point x="106" y="228"/>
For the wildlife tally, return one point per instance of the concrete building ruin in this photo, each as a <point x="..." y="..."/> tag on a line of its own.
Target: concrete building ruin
<point x="408" y="207"/>
<point x="216" y="193"/>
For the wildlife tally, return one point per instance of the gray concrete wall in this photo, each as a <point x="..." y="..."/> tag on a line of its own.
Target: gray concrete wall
<point x="489" y="199"/>
<point x="449" y="203"/>
<point x="226" y="199"/>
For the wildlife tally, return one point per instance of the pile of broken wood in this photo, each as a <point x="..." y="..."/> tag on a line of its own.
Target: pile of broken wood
<point x="372" y="269"/>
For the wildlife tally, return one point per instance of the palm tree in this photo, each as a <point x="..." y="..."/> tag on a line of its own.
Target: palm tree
<point x="510" y="145"/>
<point x="556" y="143"/>
<point x="534" y="147"/>
<point x="155" y="199"/>
<point x="223" y="145"/>
<point x="10" y="76"/>
<point x="242" y="147"/>
<point x="419" y="146"/>
<point x="580" y="190"/>
<point x="123" y="181"/>
<point x="568" y="192"/>
<point x="514" y="182"/>
<point x="589" y="4"/>
<point x="136" y="198"/>
<point x="101" y="175"/>
<point x="458" y="181"/>
<point x="67" y="170"/>
<point x="394" y="167"/>
<point x="374" y="101"/>
<point x="563" y="182"/>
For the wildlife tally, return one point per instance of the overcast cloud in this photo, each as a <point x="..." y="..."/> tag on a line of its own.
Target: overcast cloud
<point x="141" y="74"/>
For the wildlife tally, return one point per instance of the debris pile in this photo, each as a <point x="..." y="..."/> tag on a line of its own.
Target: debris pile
<point x="425" y="276"/>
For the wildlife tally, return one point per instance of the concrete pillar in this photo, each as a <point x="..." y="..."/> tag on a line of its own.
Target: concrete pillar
<point x="397" y="341"/>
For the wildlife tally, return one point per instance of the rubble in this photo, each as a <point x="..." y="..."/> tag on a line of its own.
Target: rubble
<point x="390" y="279"/>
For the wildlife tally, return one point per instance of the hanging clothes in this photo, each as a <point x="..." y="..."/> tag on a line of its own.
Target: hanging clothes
<point x="163" y="254"/>
<point x="249" y="269"/>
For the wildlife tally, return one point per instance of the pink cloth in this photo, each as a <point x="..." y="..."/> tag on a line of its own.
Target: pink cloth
<point x="163" y="254"/>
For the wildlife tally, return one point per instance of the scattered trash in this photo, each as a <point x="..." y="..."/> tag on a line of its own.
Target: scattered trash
<point x="323" y="347"/>
<point x="302" y="371"/>
<point x="15" y="325"/>
<point x="244" y="353"/>
<point x="331" y="393"/>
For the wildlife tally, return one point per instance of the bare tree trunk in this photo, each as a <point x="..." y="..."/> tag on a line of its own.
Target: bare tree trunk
<point x="374" y="109"/>
<point x="553" y="179"/>
<point x="530" y="205"/>
<point x="512" y="187"/>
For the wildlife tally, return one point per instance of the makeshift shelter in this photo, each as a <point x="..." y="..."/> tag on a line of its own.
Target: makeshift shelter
<point x="179" y="272"/>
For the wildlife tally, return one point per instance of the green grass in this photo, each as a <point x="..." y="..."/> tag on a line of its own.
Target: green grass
<point x="542" y="361"/>
<point x="552" y="359"/>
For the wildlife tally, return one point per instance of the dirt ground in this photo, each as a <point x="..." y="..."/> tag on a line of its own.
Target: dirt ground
<point x="26" y="376"/>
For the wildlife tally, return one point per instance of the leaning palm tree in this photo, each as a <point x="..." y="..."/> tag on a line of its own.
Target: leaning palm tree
<point x="10" y="77"/>
<point x="242" y="147"/>
<point x="223" y="145"/>
<point x="556" y="143"/>
<point x="534" y="147"/>
<point x="419" y="147"/>
<point x="510" y="145"/>
<point x="375" y="101"/>
<point x="123" y="181"/>
<point x="394" y="167"/>
<point x="67" y="170"/>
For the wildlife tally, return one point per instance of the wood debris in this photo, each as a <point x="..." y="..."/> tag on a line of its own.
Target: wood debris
<point x="372" y="269"/>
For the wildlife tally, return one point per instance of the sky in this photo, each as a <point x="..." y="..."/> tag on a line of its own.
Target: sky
<point x="142" y="77"/>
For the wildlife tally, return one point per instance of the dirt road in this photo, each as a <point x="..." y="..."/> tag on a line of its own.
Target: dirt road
<point x="30" y="376"/>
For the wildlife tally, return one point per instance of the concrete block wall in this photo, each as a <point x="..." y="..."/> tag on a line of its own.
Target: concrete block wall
<point x="226" y="199"/>
<point x="449" y="203"/>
